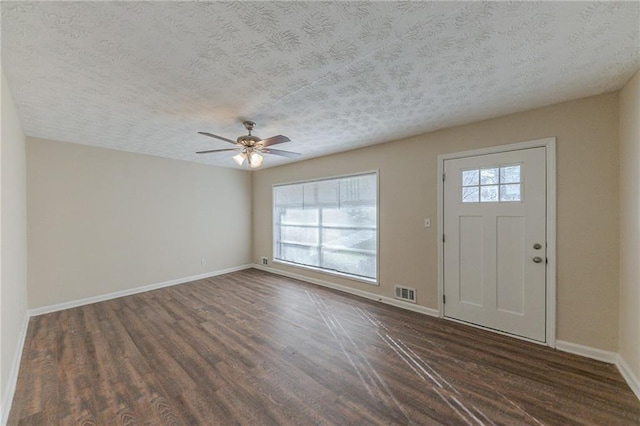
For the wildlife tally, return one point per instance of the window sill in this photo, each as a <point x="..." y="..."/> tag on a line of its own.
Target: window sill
<point x="325" y="271"/>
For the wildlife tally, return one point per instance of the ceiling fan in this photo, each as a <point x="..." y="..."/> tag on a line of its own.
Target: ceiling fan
<point x="251" y="147"/>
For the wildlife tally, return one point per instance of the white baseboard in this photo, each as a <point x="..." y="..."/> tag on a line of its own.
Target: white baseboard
<point x="625" y="370"/>
<point x="7" y="394"/>
<point x="366" y="294"/>
<point x="586" y="351"/>
<point x="130" y="291"/>
<point x="605" y="356"/>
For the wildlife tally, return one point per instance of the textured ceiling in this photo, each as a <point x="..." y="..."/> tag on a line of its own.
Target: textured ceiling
<point x="333" y="76"/>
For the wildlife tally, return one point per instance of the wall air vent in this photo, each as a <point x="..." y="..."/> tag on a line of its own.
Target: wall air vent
<point x="406" y="293"/>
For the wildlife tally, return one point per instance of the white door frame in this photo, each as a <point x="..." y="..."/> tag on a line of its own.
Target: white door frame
<point x="550" y="145"/>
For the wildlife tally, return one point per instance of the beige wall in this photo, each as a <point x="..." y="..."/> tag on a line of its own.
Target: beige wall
<point x="13" y="241"/>
<point x="630" y="224"/>
<point x="101" y="221"/>
<point x="587" y="208"/>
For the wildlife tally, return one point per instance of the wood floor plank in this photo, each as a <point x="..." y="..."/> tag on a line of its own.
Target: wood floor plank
<point x="255" y="348"/>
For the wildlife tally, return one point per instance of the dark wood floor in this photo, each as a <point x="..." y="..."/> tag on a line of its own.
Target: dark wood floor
<point x="254" y="348"/>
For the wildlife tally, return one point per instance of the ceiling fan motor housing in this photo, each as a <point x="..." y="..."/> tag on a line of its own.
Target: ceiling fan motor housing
<point x="248" y="140"/>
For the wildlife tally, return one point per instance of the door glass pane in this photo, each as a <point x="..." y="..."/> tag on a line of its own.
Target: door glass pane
<point x="510" y="174"/>
<point x="510" y="192"/>
<point x="489" y="176"/>
<point x="489" y="194"/>
<point x="471" y="194"/>
<point x="470" y="177"/>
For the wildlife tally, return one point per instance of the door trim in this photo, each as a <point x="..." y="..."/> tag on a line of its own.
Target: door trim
<point x="550" y="150"/>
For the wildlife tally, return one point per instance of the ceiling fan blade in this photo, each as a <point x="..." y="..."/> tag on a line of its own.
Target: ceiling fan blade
<point x="281" y="152"/>
<point x="211" y="135"/>
<point x="218" y="150"/>
<point x="274" y="140"/>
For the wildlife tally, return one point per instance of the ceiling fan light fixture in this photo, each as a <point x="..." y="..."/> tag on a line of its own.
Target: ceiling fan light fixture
<point x="255" y="160"/>
<point x="239" y="158"/>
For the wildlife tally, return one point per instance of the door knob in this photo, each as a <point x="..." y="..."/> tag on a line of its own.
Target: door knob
<point x="537" y="259"/>
<point x="537" y="246"/>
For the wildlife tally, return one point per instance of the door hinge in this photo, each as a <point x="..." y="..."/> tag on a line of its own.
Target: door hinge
<point x="443" y="239"/>
<point x="444" y="176"/>
<point x="444" y="299"/>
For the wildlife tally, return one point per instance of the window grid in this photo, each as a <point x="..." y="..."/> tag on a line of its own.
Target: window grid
<point x="492" y="184"/>
<point x="329" y="225"/>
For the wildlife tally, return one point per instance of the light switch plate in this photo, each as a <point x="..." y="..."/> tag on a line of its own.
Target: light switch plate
<point x="427" y="222"/>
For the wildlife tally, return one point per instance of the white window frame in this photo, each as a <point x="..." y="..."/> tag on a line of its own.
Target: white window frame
<point x="375" y="281"/>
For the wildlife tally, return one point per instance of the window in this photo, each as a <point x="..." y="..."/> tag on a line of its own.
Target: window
<point x="329" y="224"/>
<point x="492" y="184"/>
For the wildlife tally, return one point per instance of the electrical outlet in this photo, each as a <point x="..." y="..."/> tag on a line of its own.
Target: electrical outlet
<point x="264" y="261"/>
<point x="203" y="262"/>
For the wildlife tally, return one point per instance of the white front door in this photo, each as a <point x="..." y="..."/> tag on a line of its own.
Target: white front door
<point x="494" y="241"/>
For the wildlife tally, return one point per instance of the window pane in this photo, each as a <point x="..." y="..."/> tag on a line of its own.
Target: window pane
<point x="327" y="192"/>
<point x="358" y="190"/>
<point x="356" y="216"/>
<point x="488" y="176"/>
<point x="309" y="190"/>
<point x="470" y="194"/>
<point x="357" y="263"/>
<point x="510" y="174"/>
<point x="470" y="177"/>
<point x="299" y="216"/>
<point x="299" y="254"/>
<point x="299" y="235"/>
<point x="289" y="195"/>
<point x="321" y="192"/>
<point x="363" y="239"/>
<point x="510" y="192"/>
<point x="489" y="193"/>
